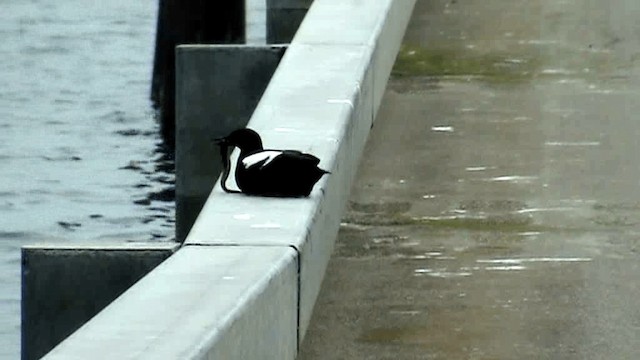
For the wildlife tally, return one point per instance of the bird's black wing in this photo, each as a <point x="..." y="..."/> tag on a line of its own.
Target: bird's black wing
<point x="302" y="158"/>
<point x="283" y="173"/>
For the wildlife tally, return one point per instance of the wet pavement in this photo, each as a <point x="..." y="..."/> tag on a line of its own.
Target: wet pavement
<point x="496" y="214"/>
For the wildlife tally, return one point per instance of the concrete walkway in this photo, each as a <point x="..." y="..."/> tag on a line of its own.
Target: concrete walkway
<point x="497" y="210"/>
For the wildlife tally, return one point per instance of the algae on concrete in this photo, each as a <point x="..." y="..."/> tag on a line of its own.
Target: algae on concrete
<point x="414" y="60"/>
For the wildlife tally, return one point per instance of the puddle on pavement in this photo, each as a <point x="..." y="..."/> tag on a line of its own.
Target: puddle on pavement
<point x="507" y="222"/>
<point x="497" y="223"/>
<point x="472" y="237"/>
<point x="381" y="207"/>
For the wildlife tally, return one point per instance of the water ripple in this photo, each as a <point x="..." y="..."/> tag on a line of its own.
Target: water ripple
<point x="77" y="110"/>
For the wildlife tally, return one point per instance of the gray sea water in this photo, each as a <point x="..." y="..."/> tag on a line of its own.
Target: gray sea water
<point x="80" y="154"/>
<point x="81" y="158"/>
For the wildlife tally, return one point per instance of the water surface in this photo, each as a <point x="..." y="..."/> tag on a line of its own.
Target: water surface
<point x="80" y="155"/>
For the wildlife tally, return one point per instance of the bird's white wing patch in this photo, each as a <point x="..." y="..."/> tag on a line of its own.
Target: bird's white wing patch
<point x="256" y="158"/>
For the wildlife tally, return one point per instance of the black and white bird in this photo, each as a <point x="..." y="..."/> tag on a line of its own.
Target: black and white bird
<point x="278" y="173"/>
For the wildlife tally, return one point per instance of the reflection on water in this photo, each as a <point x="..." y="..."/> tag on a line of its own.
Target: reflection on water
<point x="80" y="155"/>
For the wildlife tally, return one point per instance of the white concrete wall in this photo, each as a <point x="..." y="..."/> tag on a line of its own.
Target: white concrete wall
<point x="244" y="284"/>
<point x="203" y="302"/>
<point x="322" y="99"/>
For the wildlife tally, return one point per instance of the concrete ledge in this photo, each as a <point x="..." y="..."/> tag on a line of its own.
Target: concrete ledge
<point x="325" y="112"/>
<point x="65" y="285"/>
<point x="375" y="25"/>
<point x="322" y="99"/>
<point x="244" y="284"/>
<point x="203" y="302"/>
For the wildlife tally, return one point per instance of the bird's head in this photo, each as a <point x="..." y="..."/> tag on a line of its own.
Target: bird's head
<point x="245" y="139"/>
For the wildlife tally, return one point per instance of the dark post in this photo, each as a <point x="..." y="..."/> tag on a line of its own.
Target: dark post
<point x="189" y="22"/>
<point x="283" y="19"/>
<point x="63" y="286"/>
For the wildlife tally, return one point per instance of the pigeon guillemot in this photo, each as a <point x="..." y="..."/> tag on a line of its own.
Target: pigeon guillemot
<point x="278" y="173"/>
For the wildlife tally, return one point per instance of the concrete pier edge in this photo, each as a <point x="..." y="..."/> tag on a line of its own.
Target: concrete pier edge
<point x="237" y="289"/>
